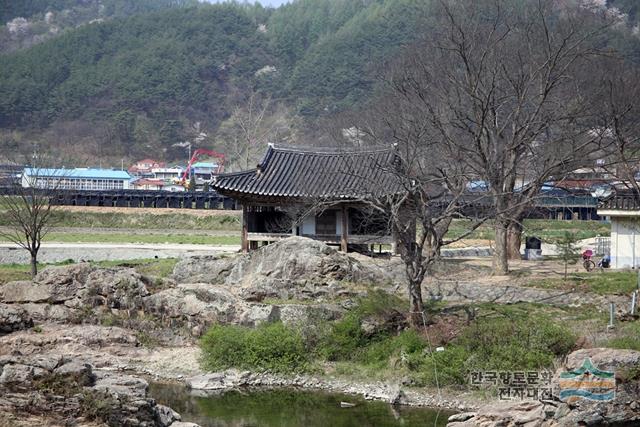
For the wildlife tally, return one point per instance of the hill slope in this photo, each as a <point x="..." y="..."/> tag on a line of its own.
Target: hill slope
<point x="160" y="72"/>
<point x="142" y="82"/>
<point x="29" y="22"/>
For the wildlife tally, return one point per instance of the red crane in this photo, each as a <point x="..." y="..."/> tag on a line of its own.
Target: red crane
<point x="196" y="155"/>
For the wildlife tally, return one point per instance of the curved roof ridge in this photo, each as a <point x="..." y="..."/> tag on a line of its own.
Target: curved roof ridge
<point x="327" y="150"/>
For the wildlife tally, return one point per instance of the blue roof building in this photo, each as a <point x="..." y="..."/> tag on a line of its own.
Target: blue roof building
<point x="76" y="179"/>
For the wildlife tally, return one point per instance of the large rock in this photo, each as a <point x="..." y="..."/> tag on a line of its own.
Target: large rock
<point x="224" y="380"/>
<point x="297" y="260"/>
<point x="82" y="373"/>
<point x="17" y="376"/>
<point x="56" y="387"/>
<point x="47" y="312"/>
<point x="13" y="319"/>
<point x="504" y="414"/>
<point x="64" y="282"/>
<point x="204" y="269"/>
<point x="166" y="415"/>
<point x="24" y="291"/>
<point x="623" y="410"/>
<point x="66" y="337"/>
<point x="80" y="285"/>
<point x="604" y="358"/>
<point x="121" y="385"/>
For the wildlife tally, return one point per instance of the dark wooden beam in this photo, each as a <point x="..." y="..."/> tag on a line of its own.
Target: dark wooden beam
<point x="344" y="245"/>
<point x="245" y="229"/>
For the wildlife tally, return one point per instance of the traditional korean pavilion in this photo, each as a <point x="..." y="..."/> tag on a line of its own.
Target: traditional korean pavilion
<point x="328" y="188"/>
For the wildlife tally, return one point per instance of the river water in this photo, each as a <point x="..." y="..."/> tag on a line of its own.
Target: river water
<point x="290" y="408"/>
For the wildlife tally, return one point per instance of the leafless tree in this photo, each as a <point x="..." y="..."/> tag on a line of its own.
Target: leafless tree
<point x="26" y="205"/>
<point x="494" y="81"/>
<point x="429" y="184"/>
<point x="615" y="106"/>
<point x="251" y="126"/>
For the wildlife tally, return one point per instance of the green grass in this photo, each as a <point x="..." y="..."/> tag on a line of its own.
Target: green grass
<point x="548" y="230"/>
<point x="196" y="239"/>
<point x="14" y="272"/>
<point x="136" y="220"/>
<point x="627" y="337"/>
<point x="160" y="268"/>
<point x="599" y="282"/>
<point x="519" y="337"/>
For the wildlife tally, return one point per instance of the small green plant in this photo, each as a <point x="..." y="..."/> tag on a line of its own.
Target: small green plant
<point x="568" y="250"/>
<point x="37" y="329"/>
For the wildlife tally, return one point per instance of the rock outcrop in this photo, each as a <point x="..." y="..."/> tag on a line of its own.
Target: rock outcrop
<point x="624" y="410"/>
<point x="13" y="319"/>
<point x="68" y="390"/>
<point x="290" y="263"/>
<point x="226" y="289"/>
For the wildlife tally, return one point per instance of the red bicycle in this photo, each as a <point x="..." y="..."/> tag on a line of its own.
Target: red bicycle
<point x="587" y="263"/>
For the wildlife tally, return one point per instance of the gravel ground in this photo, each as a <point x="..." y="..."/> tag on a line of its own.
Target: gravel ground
<point x="58" y="252"/>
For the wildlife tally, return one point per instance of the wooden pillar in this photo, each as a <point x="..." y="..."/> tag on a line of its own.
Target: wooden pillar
<point x="344" y="243"/>
<point x="245" y="229"/>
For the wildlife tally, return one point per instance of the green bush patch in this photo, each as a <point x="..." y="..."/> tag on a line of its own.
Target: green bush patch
<point x="272" y="347"/>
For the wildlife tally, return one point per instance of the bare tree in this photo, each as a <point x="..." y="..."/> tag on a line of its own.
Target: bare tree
<point x="495" y="81"/>
<point x="251" y="126"/>
<point x="430" y="183"/>
<point x="615" y="107"/>
<point x="27" y="205"/>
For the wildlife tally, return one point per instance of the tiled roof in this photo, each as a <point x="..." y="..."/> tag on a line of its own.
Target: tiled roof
<point x="309" y="173"/>
<point x="623" y="200"/>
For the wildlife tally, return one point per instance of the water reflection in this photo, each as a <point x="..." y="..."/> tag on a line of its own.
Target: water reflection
<point x="290" y="408"/>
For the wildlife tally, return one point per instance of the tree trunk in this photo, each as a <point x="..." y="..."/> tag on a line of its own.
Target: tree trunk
<point x="418" y="316"/>
<point x="34" y="265"/>
<point x="500" y="259"/>
<point x="514" y="240"/>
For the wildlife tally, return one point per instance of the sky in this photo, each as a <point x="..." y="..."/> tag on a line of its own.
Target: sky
<point x="274" y="3"/>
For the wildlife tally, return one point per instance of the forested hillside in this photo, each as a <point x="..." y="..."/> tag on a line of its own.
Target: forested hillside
<point x="29" y="22"/>
<point x="124" y="86"/>
<point x="157" y="73"/>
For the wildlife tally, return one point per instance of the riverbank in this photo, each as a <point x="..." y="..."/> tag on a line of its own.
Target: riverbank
<point x="299" y="314"/>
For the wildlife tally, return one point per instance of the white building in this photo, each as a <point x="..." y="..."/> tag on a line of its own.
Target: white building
<point x="167" y="174"/>
<point x="624" y="212"/>
<point x="76" y="179"/>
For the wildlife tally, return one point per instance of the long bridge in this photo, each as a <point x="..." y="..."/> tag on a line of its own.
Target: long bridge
<point x="136" y="198"/>
<point x="555" y="206"/>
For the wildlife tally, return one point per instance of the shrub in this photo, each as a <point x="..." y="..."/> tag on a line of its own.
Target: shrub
<point x="275" y="347"/>
<point x="494" y="344"/>
<point x="272" y="347"/>
<point x="628" y="338"/>
<point x="343" y="339"/>
<point x="407" y="343"/>
<point x="512" y="344"/>
<point x="440" y="367"/>
<point x="378" y="302"/>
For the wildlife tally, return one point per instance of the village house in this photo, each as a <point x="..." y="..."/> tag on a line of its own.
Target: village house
<point x="313" y="192"/>
<point x="145" y="167"/>
<point x="623" y="209"/>
<point x="148" y="184"/>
